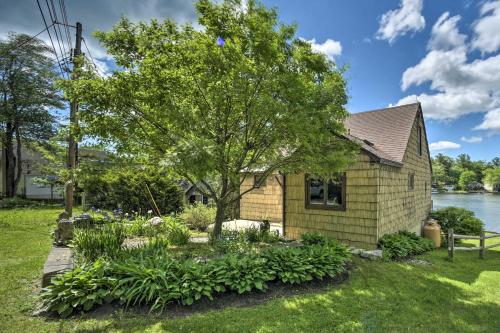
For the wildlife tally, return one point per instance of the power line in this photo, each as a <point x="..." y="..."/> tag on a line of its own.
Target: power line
<point x="92" y="58"/>
<point x="50" y="37"/>
<point x="88" y="51"/>
<point x="64" y="15"/>
<point x="53" y="19"/>
<point x="31" y="38"/>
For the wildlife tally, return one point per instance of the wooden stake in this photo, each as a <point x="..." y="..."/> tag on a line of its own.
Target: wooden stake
<point x="451" y="244"/>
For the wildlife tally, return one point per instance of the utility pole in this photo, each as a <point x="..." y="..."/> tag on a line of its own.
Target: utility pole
<point x="73" y="124"/>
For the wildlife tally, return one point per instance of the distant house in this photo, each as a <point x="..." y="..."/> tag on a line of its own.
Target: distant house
<point x="29" y="186"/>
<point x="191" y="193"/>
<point x="386" y="190"/>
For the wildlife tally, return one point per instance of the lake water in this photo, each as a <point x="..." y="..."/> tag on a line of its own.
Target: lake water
<point x="486" y="206"/>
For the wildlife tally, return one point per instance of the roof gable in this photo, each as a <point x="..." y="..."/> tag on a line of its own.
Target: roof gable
<point x="386" y="131"/>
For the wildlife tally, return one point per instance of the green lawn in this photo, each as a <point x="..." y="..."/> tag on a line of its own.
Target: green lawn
<point x="463" y="296"/>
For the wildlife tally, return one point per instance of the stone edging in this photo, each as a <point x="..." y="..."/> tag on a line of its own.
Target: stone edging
<point x="60" y="259"/>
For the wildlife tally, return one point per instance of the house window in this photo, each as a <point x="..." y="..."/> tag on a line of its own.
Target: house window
<point x="411" y="181"/>
<point x="419" y="138"/>
<point x="259" y="180"/>
<point x="326" y="195"/>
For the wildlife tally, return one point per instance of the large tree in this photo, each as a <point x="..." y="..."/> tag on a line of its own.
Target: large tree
<point x="27" y="75"/>
<point x="492" y="177"/>
<point x="239" y="93"/>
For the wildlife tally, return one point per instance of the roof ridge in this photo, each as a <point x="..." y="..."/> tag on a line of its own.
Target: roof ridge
<point x="383" y="109"/>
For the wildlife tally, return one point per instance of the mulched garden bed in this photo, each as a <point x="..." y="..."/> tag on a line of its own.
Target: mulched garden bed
<point x="225" y="300"/>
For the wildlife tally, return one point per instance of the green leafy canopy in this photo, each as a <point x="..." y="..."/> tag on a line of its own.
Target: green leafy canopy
<point x="264" y="100"/>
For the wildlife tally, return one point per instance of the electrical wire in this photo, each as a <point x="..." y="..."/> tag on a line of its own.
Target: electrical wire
<point x="50" y="37"/>
<point x="53" y="18"/>
<point x="91" y="58"/>
<point x="31" y="38"/>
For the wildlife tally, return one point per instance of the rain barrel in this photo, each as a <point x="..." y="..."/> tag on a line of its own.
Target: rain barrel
<point x="432" y="231"/>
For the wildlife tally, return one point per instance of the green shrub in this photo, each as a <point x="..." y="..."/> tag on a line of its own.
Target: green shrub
<point x="260" y="234"/>
<point x="252" y="234"/>
<point x="403" y="245"/>
<point x="198" y="216"/>
<point x="155" y="247"/>
<point x="230" y="241"/>
<point x="461" y="220"/>
<point x="138" y="227"/>
<point x="298" y="265"/>
<point x="151" y="280"/>
<point x="177" y="233"/>
<point x="126" y="188"/>
<point x="313" y="238"/>
<point x="79" y="290"/>
<point x="18" y="202"/>
<point x="243" y="273"/>
<point x="101" y="241"/>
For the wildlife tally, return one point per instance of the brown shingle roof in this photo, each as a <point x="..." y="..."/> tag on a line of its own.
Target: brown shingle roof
<point x="384" y="132"/>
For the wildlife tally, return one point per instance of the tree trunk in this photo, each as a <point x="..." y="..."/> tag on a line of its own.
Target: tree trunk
<point x="11" y="161"/>
<point x="19" y="174"/>
<point x="219" y="217"/>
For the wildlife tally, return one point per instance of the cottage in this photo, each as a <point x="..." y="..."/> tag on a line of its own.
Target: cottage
<point x="387" y="189"/>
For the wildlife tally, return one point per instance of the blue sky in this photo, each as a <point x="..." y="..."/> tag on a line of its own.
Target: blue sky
<point x="443" y="53"/>
<point x="378" y="61"/>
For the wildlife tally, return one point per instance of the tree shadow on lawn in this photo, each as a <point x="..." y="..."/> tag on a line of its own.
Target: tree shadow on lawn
<point x="446" y="296"/>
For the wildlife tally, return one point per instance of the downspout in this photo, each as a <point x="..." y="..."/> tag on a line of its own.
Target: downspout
<point x="284" y="203"/>
<point x="379" y="166"/>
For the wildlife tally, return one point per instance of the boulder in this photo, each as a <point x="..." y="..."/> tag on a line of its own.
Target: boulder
<point x="82" y="220"/>
<point x="155" y="221"/>
<point x="372" y="254"/>
<point x="64" y="232"/>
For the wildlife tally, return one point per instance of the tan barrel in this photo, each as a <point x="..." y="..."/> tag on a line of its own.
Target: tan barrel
<point x="432" y="231"/>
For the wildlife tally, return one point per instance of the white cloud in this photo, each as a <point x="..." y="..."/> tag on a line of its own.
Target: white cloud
<point x="487" y="28"/>
<point x="398" y="22"/>
<point x="459" y="86"/>
<point x="443" y="145"/>
<point x="491" y="121"/>
<point x="449" y="106"/>
<point x="331" y="48"/>
<point x="445" y="34"/>
<point x="472" y="139"/>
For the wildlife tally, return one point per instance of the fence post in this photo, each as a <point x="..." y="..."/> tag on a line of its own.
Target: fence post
<point x="451" y="244"/>
<point x="481" y="245"/>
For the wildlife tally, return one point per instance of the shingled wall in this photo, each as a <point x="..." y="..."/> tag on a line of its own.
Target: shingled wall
<point x="261" y="203"/>
<point x="357" y="225"/>
<point x="399" y="207"/>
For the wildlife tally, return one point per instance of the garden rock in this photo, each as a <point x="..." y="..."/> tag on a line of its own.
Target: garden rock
<point x="155" y="221"/>
<point x="356" y="251"/>
<point x="413" y="261"/>
<point x="84" y="219"/>
<point x="373" y="254"/>
<point x="64" y="232"/>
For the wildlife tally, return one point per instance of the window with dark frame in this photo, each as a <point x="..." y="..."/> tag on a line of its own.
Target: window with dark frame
<point x="419" y="134"/>
<point x="329" y="195"/>
<point x="411" y="181"/>
<point x="259" y="180"/>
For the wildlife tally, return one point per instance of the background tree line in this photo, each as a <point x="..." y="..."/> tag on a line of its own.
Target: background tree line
<point x="464" y="174"/>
